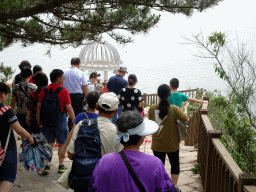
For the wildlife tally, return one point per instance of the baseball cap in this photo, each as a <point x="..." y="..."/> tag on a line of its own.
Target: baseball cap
<point x="108" y="101"/>
<point x="123" y="69"/>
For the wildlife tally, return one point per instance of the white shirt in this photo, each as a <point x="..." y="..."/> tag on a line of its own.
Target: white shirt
<point x="90" y="86"/>
<point x="107" y="136"/>
<point x="74" y="80"/>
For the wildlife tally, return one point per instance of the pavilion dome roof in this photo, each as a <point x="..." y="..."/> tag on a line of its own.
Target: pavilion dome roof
<point x="99" y="56"/>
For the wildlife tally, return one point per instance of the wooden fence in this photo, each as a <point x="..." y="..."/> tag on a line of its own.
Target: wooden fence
<point x="219" y="172"/>
<point x="153" y="99"/>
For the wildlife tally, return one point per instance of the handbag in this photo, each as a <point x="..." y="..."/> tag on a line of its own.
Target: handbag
<point x="182" y="127"/>
<point x="129" y="167"/>
<point x="3" y="151"/>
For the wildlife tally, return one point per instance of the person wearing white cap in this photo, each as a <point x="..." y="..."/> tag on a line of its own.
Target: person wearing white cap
<point x="107" y="107"/>
<point x="113" y="171"/>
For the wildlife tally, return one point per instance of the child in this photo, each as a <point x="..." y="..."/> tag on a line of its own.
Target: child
<point x="8" y="169"/>
<point x="41" y="80"/>
<point x="177" y="98"/>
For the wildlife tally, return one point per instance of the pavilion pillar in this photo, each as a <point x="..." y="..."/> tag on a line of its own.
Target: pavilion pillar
<point x="105" y="75"/>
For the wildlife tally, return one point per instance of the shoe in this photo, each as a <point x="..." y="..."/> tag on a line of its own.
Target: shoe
<point x="46" y="170"/>
<point x="62" y="169"/>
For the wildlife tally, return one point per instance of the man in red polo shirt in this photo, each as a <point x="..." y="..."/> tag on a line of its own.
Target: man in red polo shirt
<point x="60" y="132"/>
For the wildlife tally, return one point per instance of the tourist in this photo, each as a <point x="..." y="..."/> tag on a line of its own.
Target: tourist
<point x="20" y="95"/>
<point x="75" y="83"/>
<point x="91" y="113"/>
<point x="41" y="80"/>
<point x="104" y="88"/>
<point x="166" y="140"/>
<point x="91" y="82"/>
<point x="177" y="98"/>
<point x="36" y="69"/>
<point x="111" y="173"/>
<point x="60" y="132"/>
<point x="107" y="107"/>
<point x="130" y="98"/>
<point x="115" y="84"/>
<point x="18" y="78"/>
<point x="8" y="168"/>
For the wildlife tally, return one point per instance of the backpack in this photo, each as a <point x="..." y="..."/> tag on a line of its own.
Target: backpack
<point x="50" y="108"/>
<point x="87" y="154"/>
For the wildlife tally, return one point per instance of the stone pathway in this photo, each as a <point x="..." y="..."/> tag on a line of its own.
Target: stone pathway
<point x="29" y="181"/>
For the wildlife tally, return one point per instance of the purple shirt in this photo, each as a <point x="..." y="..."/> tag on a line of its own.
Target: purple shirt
<point x="111" y="174"/>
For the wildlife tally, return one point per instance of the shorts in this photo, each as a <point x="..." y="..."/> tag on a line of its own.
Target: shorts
<point x="174" y="159"/>
<point x="60" y="133"/>
<point x="8" y="169"/>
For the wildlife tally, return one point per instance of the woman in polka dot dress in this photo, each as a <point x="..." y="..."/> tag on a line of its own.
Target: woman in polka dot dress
<point x="130" y="98"/>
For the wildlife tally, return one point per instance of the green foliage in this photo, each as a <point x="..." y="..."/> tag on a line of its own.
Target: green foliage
<point x="240" y="137"/>
<point x="218" y="39"/>
<point x="196" y="168"/>
<point x="215" y="112"/>
<point x="236" y="111"/>
<point x="5" y="73"/>
<point x="70" y="22"/>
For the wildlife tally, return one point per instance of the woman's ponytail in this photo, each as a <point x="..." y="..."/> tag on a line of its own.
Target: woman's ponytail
<point x="163" y="92"/>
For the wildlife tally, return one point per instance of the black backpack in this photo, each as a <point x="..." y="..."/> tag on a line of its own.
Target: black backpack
<point x="87" y="154"/>
<point x="50" y="108"/>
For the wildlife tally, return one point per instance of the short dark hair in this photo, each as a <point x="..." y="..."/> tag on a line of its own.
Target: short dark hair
<point x="129" y="120"/>
<point x="75" y="61"/>
<point x="93" y="75"/>
<point x="36" y="69"/>
<point x="92" y="99"/>
<point x="4" y="88"/>
<point x="174" y="83"/>
<point x="24" y="63"/>
<point x="25" y="72"/>
<point x="55" y="74"/>
<point x="132" y="79"/>
<point x="41" y="79"/>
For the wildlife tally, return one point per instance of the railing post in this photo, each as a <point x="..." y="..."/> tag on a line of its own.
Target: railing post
<point x="209" y="156"/>
<point x="245" y="179"/>
<point x="145" y="97"/>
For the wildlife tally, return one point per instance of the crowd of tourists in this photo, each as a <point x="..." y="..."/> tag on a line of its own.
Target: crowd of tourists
<point x="100" y="126"/>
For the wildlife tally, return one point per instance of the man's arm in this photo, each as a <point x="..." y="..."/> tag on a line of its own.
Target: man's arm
<point x="196" y="100"/>
<point x="70" y="112"/>
<point x="69" y="137"/>
<point x="85" y="90"/>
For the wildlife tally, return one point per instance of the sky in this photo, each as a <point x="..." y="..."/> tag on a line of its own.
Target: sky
<point x="161" y="54"/>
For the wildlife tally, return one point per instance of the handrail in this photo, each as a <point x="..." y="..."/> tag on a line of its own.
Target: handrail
<point x="153" y="99"/>
<point x="219" y="171"/>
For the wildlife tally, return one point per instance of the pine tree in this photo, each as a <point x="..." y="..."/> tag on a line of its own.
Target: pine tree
<point x="70" y="22"/>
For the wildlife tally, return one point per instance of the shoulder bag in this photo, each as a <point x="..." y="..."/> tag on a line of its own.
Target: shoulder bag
<point x="135" y="178"/>
<point x="182" y="127"/>
<point x="129" y="167"/>
<point x="3" y="151"/>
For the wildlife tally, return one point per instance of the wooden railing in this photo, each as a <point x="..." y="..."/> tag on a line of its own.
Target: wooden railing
<point x="153" y="99"/>
<point x="219" y="172"/>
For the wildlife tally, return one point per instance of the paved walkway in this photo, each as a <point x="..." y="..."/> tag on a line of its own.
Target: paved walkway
<point x="29" y="181"/>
